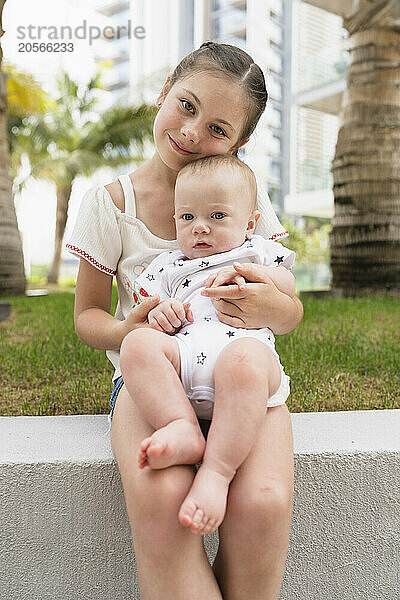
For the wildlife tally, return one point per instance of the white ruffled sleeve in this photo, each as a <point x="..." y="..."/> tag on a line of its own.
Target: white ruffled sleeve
<point x="96" y="235"/>
<point x="268" y="225"/>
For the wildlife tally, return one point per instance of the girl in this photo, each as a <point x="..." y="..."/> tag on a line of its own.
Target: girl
<point x="209" y="105"/>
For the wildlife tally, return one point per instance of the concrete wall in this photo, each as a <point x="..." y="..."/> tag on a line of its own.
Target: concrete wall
<point x="64" y="531"/>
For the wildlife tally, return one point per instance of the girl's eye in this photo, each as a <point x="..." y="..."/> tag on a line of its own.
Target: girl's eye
<point x="187" y="217"/>
<point x="218" y="215"/>
<point x="187" y="105"/>
<point x="218" y="130"/>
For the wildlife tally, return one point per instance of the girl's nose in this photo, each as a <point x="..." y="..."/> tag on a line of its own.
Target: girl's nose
<point x="190" y="133"/>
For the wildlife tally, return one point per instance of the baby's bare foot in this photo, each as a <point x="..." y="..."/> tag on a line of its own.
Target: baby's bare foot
<point x="204" y="507"/>
<point x="178" y="443"/>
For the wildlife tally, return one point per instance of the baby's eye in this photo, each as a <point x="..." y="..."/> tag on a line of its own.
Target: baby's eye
<point x="187" y="105"/>
<point x="218" y="130"/>
<point x="187" y="217"/>
<point x="218" y="215"/>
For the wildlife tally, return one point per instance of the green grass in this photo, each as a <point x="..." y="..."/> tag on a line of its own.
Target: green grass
<point x="345" y="355"/>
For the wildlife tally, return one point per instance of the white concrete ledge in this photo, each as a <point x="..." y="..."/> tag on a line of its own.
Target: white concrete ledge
<point x="65" y="532"/>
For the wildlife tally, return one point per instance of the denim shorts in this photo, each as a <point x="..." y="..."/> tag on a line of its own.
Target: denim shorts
<point x="119" y="382"/>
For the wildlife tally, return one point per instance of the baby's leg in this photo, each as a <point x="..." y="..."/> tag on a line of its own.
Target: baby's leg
<point x="150" y="366"/>
<point x="246" y="374"/>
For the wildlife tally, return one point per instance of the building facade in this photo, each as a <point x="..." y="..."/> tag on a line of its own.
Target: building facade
<point x="299" y="46"/>
<point x="319" y="78"/>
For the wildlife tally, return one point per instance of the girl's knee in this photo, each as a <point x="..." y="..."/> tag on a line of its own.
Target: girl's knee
<point x="264" y="508"/>
<point x="158" y="494"/>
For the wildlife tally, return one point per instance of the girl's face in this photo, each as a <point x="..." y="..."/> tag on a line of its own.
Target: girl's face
<point x="201" y="115"/>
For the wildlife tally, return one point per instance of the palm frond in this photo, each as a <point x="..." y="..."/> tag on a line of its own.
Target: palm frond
<point x="24" y="94"/>
<point x="119" y="128"/>
<point x="67" y="141"/>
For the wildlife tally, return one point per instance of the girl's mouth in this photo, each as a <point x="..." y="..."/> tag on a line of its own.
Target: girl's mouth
<point x="178" y="148"/>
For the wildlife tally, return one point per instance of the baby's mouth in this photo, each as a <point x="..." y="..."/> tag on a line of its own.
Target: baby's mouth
<point x="202" y="245"/>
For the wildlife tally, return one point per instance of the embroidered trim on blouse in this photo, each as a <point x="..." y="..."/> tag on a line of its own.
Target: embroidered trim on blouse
<point x="278" y="235"/>
<point x="90" y="259"/>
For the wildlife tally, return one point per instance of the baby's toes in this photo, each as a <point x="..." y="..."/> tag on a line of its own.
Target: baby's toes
<point x="201" y="527"/>
<point x="211" y="525"/>
<point x="187" y="513"/>
<point x="142" y="454"/>
<point x="199" y="519"/>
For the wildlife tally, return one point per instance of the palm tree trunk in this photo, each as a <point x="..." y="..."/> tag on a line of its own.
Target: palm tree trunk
<point x="63" y="195"/>
<point x="365" y="238"/>
<point x="12" y="275"/>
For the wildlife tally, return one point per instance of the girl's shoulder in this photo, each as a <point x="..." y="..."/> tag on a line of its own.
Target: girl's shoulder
<point x="116" y="194"/>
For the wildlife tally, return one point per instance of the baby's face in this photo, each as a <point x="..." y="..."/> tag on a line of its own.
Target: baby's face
<point x="213" y="213"/>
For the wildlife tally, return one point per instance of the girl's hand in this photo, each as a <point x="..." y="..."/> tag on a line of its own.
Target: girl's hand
<point x="225" y="276"/>
<point x="259" y="304"/>
<point x="169" y="315"/>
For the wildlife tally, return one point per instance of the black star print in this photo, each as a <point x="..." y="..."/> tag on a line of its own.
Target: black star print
<point x="250" y="244"/>
<point x="150" y="277"/>
<point x="204" y="263"/>
<point x="186" y="283"/>
<point x="185" y="333"/>
<point x="278" y="260"/>
<point x="207" y="318"/>
<point x="162" y="269"/>
<point x="230" y="333"/>
<point x="201" y="358"/>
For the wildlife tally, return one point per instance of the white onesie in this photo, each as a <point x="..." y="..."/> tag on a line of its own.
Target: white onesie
<point x="172" y="275"/>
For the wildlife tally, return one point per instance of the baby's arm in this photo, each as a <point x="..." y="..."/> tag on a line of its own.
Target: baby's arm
<point x="169" y="315"/>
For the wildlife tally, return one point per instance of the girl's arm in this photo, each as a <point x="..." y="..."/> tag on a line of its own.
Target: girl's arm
<point x="260" y="304"/>
<point x="94" y="324"/>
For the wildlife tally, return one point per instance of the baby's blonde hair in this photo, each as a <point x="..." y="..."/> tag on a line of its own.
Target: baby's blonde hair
<point x="209" y="163"/>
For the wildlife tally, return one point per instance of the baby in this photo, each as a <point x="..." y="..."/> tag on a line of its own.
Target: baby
<point x="229" y="374"/>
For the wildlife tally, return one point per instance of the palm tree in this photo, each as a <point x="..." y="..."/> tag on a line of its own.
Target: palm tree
<point x="365" y="239"/>
<point x="25" y="97"/>
<point x="72" y="140"/>
<point x="12" y="275"/>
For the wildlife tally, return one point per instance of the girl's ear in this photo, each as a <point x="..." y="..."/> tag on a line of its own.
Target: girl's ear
<point x="236" y="148"/>
<point x="164" y="92"/>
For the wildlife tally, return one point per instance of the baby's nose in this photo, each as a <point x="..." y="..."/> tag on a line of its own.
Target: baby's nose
<point x="200" y="227"/>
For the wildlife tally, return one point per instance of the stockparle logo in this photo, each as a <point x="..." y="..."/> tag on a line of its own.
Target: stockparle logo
<point x="45" y="37"/>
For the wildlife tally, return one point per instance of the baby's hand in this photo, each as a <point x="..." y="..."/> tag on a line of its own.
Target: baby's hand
<point x="225" y="276"/>
<point x="169" y="315"/>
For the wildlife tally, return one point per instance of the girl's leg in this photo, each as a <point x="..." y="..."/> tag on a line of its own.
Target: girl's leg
<point x="172" y="563"/>
<point x="254" y="535"/>
<point x="245" y="375"/>
<point x="150" y="366"/>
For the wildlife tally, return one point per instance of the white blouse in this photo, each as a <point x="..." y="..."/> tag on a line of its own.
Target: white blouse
<point x="119" y="244"/>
